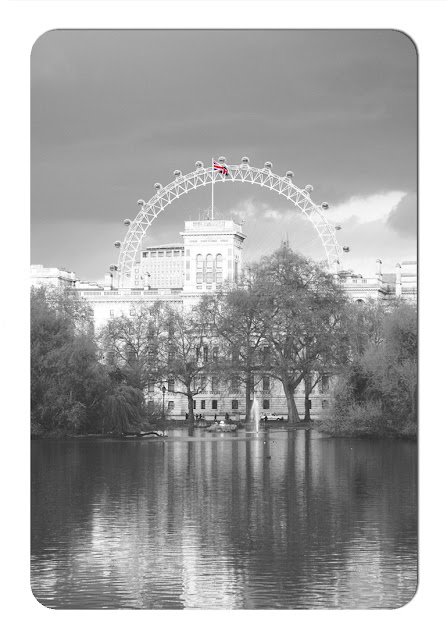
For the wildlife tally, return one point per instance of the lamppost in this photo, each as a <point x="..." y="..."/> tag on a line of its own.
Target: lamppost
<point x="163" y="390"/>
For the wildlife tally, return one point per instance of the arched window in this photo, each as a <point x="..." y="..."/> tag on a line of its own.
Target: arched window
<point x="199" y="268"/>
<point x="209" y="262"/>
<point x="219" y="267"/>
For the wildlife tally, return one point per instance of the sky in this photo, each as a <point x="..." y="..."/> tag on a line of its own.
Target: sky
<point x="113" y="112"/>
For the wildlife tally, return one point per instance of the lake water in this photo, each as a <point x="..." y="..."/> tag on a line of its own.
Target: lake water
<point x="283" y="519"/>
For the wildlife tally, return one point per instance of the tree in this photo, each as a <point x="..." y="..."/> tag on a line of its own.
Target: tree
<point x="181" y="357"/>
<point x="235" y="317"/>
<point x="302" y="314"/>
<point x="377" y="392"/>
<point x="67" y="382"/>
<point x="124" y="409"/>
<point x="132" y="343"/>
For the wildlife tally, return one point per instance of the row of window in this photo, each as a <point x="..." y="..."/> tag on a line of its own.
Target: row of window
<point x="235" y="385"/>
<point x="169" y="253"/>
<point x="234" y="405"/>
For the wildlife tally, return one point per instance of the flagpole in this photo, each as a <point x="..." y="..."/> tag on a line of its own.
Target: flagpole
<point x="212" y="189"/>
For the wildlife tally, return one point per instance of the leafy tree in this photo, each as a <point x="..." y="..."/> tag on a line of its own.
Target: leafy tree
<point x="236" y="320"/>
<point x="302" y="315"/>
<point x="132" y="344"/>
<point x="377" y="394"/>
<point x="124" y="409"/>
<point x="182" y="363"/>
<point x="67" y="382"/>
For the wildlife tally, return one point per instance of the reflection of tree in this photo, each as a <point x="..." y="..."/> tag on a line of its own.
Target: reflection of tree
<point x="220" y="522"/>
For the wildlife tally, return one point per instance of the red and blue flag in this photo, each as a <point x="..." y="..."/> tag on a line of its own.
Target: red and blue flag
<point x="220" y="168"/>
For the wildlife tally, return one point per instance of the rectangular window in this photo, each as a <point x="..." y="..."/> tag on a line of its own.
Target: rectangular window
<point x="112" y="313"/>
<point x="144" y="254"/>
<point x="170" y="405"/>
<point x="203" y="383"/>
<point x="265" y="383"/>
<point x="194" y="404"/>
<point x="205" y="353"/>
<point x="153" y="254"/>
<point x="235" y="404"/>
<point x="234" y="385"/>
<point x="176" y="253"/>
<point x="215" y="354"/>
<point x="169" y="254"/>
<point x="202" y="404"/>
<point x="215" y="384"/>
<point x="266" y="404"/>
<point x="171" y="384"/>
<point x="161" y="254"/>
<point x="151" y="386"/>
<point x="214" y="405"/>
<point x="324" y="404"/>
<point x="209" y="277"/>
<point x="325" y="384"/>
<point x="132" y="312"/>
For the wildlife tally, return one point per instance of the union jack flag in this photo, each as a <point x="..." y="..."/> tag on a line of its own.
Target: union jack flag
<point x="220" y="168"/>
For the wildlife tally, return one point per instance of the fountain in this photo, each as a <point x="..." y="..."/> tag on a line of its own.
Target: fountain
<point x="255" y="414"/>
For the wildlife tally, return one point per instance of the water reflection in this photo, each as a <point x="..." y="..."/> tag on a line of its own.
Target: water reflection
<point x="281" y="519"/>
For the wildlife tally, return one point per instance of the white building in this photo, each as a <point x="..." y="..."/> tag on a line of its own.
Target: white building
<point x="51" y="276"/>
<point x="213" y="253"/>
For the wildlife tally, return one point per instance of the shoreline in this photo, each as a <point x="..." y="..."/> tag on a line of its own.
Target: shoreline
<point x="314" y="425"/>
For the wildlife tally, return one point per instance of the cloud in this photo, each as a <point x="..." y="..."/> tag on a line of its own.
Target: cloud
<point x="403" y="216"/>
<point x="366" y="209"/>
<point x="249" y="209"/>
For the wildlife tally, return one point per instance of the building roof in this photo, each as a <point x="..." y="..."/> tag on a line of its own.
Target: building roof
<point x="167" y="245"/>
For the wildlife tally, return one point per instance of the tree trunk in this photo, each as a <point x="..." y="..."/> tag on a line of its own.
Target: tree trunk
<point x="190" y="408"/>
<point x="307" y="392"/>
<point x="289" y="390"/>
